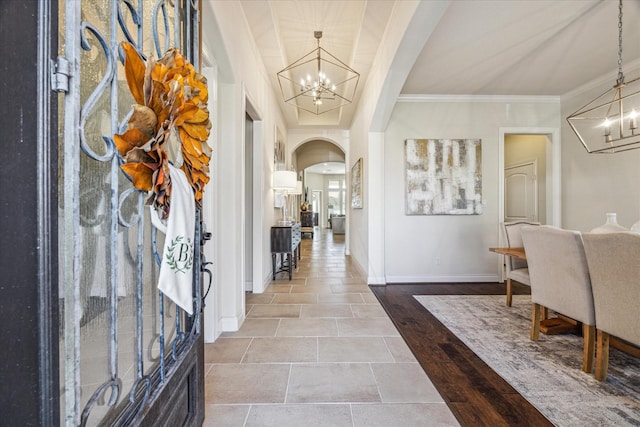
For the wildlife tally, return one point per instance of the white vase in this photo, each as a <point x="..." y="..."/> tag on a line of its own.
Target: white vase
<point x="611" y="226"/>
<point x="636" y="227"/>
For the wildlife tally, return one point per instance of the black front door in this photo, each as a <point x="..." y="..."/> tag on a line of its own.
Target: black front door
<point x="89" y="338"/>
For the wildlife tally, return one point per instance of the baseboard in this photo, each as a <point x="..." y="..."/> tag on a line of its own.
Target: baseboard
<point x="231" y="324"/>
<point x="265" y="282"/>
<point x="211" y="327"/>
<point x="444" y="279"/>
<point x="371" y="280"/>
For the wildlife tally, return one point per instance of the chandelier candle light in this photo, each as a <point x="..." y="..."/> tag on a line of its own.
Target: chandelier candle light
<point x="609" y="123"/>
<point x="318" y="82"/>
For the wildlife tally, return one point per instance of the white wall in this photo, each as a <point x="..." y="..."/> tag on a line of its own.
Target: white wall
<point x="243" y="85"/>
<point x="409" y="27"/>
<point x="450" y="248"/>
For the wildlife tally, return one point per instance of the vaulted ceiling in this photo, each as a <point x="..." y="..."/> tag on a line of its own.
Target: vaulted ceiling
<point x="480" y="47"/>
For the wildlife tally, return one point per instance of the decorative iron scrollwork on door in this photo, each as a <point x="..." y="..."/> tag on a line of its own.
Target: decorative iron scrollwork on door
<point x="122" y="337"/>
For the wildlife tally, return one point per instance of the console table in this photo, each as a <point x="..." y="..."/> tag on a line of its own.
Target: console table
<point x="308" y="221"/>
<point x="285" y="240"/>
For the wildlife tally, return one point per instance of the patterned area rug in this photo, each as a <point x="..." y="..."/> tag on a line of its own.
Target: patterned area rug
<point x="547" y="373"/>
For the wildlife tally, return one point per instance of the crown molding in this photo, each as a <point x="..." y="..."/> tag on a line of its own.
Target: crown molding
<point x="480" y="98"/>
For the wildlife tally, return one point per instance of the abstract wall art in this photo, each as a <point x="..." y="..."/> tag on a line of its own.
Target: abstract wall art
<point x="356" y="185"/>
<point x="278" y="150"/>
<point x="443" y="176"/>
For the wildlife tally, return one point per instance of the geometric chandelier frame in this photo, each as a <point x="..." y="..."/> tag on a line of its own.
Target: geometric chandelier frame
<point x="609" y="123"/>
<point x="610" y="127"/>
<point x="318" y="82"/>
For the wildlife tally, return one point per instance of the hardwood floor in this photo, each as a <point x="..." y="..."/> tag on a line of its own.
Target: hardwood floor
<point x="476" y="395"/>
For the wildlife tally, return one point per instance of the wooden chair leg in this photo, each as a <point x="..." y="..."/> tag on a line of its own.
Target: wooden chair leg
<point x="509" y="293"/>
<point x="535" y="321"/>
<point x="589" y="335"/>
<point x="545" y="313"/>
<point x="602" y="356"/>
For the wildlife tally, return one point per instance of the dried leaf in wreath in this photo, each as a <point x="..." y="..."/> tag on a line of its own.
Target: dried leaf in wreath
<point x="134" y="70"/>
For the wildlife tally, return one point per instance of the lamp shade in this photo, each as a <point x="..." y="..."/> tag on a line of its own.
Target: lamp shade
<point x="298" y="189"/>
<point x="284" y="180"/>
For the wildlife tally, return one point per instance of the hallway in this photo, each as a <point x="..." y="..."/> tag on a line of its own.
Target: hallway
<point x="318" y="350"/>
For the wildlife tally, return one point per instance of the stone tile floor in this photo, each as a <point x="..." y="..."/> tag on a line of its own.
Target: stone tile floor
<point x="318" y="350"/>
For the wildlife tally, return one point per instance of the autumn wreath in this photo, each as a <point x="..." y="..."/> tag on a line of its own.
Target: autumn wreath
<point x="169" y="122"/>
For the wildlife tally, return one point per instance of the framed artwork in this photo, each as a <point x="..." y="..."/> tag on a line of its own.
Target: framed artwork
<point x="356" y="185"/>
<point x="443" y="176"/>
<point x="278" y="150"/>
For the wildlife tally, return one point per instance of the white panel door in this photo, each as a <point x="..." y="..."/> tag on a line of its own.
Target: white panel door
<point x="521" y="193"/>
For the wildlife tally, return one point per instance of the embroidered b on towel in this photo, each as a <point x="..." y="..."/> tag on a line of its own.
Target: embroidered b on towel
<point x="176" y="269"/>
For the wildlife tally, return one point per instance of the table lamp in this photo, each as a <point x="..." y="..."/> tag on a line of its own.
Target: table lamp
<point x="284" y="181"/>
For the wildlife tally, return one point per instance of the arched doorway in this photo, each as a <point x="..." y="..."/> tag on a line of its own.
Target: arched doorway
<point x="321" y="166"/>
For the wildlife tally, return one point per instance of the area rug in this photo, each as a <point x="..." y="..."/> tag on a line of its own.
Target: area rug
<point x="547" y="372"/>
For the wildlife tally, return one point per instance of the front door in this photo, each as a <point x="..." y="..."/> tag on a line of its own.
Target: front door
<point x="129" y="354"/>
<point x="87" y="337"/>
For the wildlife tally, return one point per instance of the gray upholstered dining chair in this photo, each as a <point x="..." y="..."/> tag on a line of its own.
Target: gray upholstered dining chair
<point x="560" y="281"/>
<point x="516" y="268"/>
<point x="615" y="278"/>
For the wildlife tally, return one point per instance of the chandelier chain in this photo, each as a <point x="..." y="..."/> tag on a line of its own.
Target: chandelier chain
<point x="620" y="75"/>
<point x="610" y="123"/>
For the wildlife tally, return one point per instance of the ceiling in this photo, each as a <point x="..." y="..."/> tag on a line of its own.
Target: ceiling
<point x="516" y="47"/>
<point x="327" y="168"/>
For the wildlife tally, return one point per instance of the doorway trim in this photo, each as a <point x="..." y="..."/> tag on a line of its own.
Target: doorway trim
<point x="247" y="191"/>
<point x="553" y="153"/>
<point x="257" y="185"/>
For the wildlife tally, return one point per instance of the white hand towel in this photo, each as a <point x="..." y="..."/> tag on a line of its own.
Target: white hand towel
<point x="176" y="269"/>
